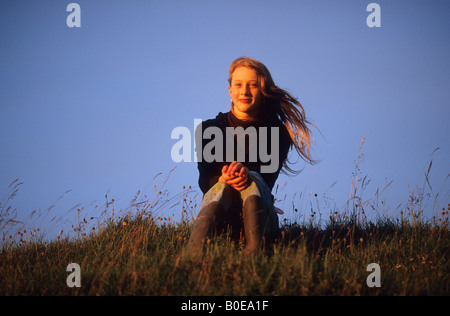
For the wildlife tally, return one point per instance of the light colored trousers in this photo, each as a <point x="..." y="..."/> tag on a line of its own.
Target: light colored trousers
<point x="233" y="201"/>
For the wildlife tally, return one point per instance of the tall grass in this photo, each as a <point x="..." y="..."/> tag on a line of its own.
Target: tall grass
<point x="139" y="256"/>
<point x="140" y="251"/>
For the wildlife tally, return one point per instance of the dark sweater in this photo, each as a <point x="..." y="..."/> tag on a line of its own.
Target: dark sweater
<point x="209" y="173"/>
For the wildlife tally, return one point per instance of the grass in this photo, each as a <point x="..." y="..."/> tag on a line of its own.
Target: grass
<point x="137" y="251"/>
<point x="137" y="255"/>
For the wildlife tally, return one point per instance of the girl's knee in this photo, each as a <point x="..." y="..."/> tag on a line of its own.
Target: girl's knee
<point x="256" y="185"/>
<point x="220" y="192"/>
<point x="221" y="188"/>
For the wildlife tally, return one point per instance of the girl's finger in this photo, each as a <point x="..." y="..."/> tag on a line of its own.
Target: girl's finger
<point x="243" y="172"/>
<point x="241" y="182"/>
<point x="238" y="167"/>
<point x="241" y="187"/>
<point x="234" y="181"/>
<point x="224" y="169"/>
<point x="231" y="167"/>
<point x="227" y="177"/>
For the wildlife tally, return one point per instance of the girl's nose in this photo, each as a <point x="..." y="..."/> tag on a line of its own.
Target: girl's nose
<point x="245" y="90"/>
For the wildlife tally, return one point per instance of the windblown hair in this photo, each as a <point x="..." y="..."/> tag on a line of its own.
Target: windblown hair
<point x="281" y="103"/>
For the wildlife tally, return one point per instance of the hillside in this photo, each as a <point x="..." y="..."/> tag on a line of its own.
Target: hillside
<point x="142" y="255"/>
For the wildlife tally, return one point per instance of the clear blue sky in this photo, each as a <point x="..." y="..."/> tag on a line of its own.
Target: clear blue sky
<point x="91" y="109"/>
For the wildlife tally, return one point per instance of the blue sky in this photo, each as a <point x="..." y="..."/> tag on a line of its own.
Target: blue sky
<point x="91" y="109"/>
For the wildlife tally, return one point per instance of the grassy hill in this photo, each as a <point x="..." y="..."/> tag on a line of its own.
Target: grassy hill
<point x="142" y="255"/>
<point x="140" y="252"/>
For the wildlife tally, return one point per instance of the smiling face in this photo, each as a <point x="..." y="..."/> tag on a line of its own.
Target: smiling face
<point x="245" y="93"/>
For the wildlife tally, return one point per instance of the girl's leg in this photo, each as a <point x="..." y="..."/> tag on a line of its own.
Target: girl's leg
<point x="217" y="208"/>
<point x="259" y="217"/>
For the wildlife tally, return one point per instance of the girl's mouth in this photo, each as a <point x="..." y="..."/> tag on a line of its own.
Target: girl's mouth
<point x="245" y="100"/>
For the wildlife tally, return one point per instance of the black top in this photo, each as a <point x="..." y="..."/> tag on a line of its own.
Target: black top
<point x="210" y="172"/>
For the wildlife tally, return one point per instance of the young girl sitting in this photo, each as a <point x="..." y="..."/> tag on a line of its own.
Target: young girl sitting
<point x="237" y="183"/>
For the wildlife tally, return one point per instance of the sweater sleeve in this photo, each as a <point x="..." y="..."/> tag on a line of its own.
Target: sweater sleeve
<point x="209" y="172"/>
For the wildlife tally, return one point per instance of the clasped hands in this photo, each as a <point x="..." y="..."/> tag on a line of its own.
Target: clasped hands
<point x="235" y="175"/>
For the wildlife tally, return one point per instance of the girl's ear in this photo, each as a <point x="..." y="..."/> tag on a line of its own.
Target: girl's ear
<point x="229" y="90"/>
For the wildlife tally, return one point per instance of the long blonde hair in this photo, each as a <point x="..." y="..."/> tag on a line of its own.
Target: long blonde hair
<point x="281" y="103"/>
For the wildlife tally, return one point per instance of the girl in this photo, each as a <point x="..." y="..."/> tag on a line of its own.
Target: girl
<point x="237" y="194"/>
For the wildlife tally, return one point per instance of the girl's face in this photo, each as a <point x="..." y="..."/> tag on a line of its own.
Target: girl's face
<point x="244" y="93"/>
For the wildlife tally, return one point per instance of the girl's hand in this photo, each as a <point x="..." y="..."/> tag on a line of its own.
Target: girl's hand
<point x="235" y="175"/>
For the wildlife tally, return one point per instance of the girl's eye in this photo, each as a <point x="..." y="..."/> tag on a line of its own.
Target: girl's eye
<point x="252" y="85"/>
